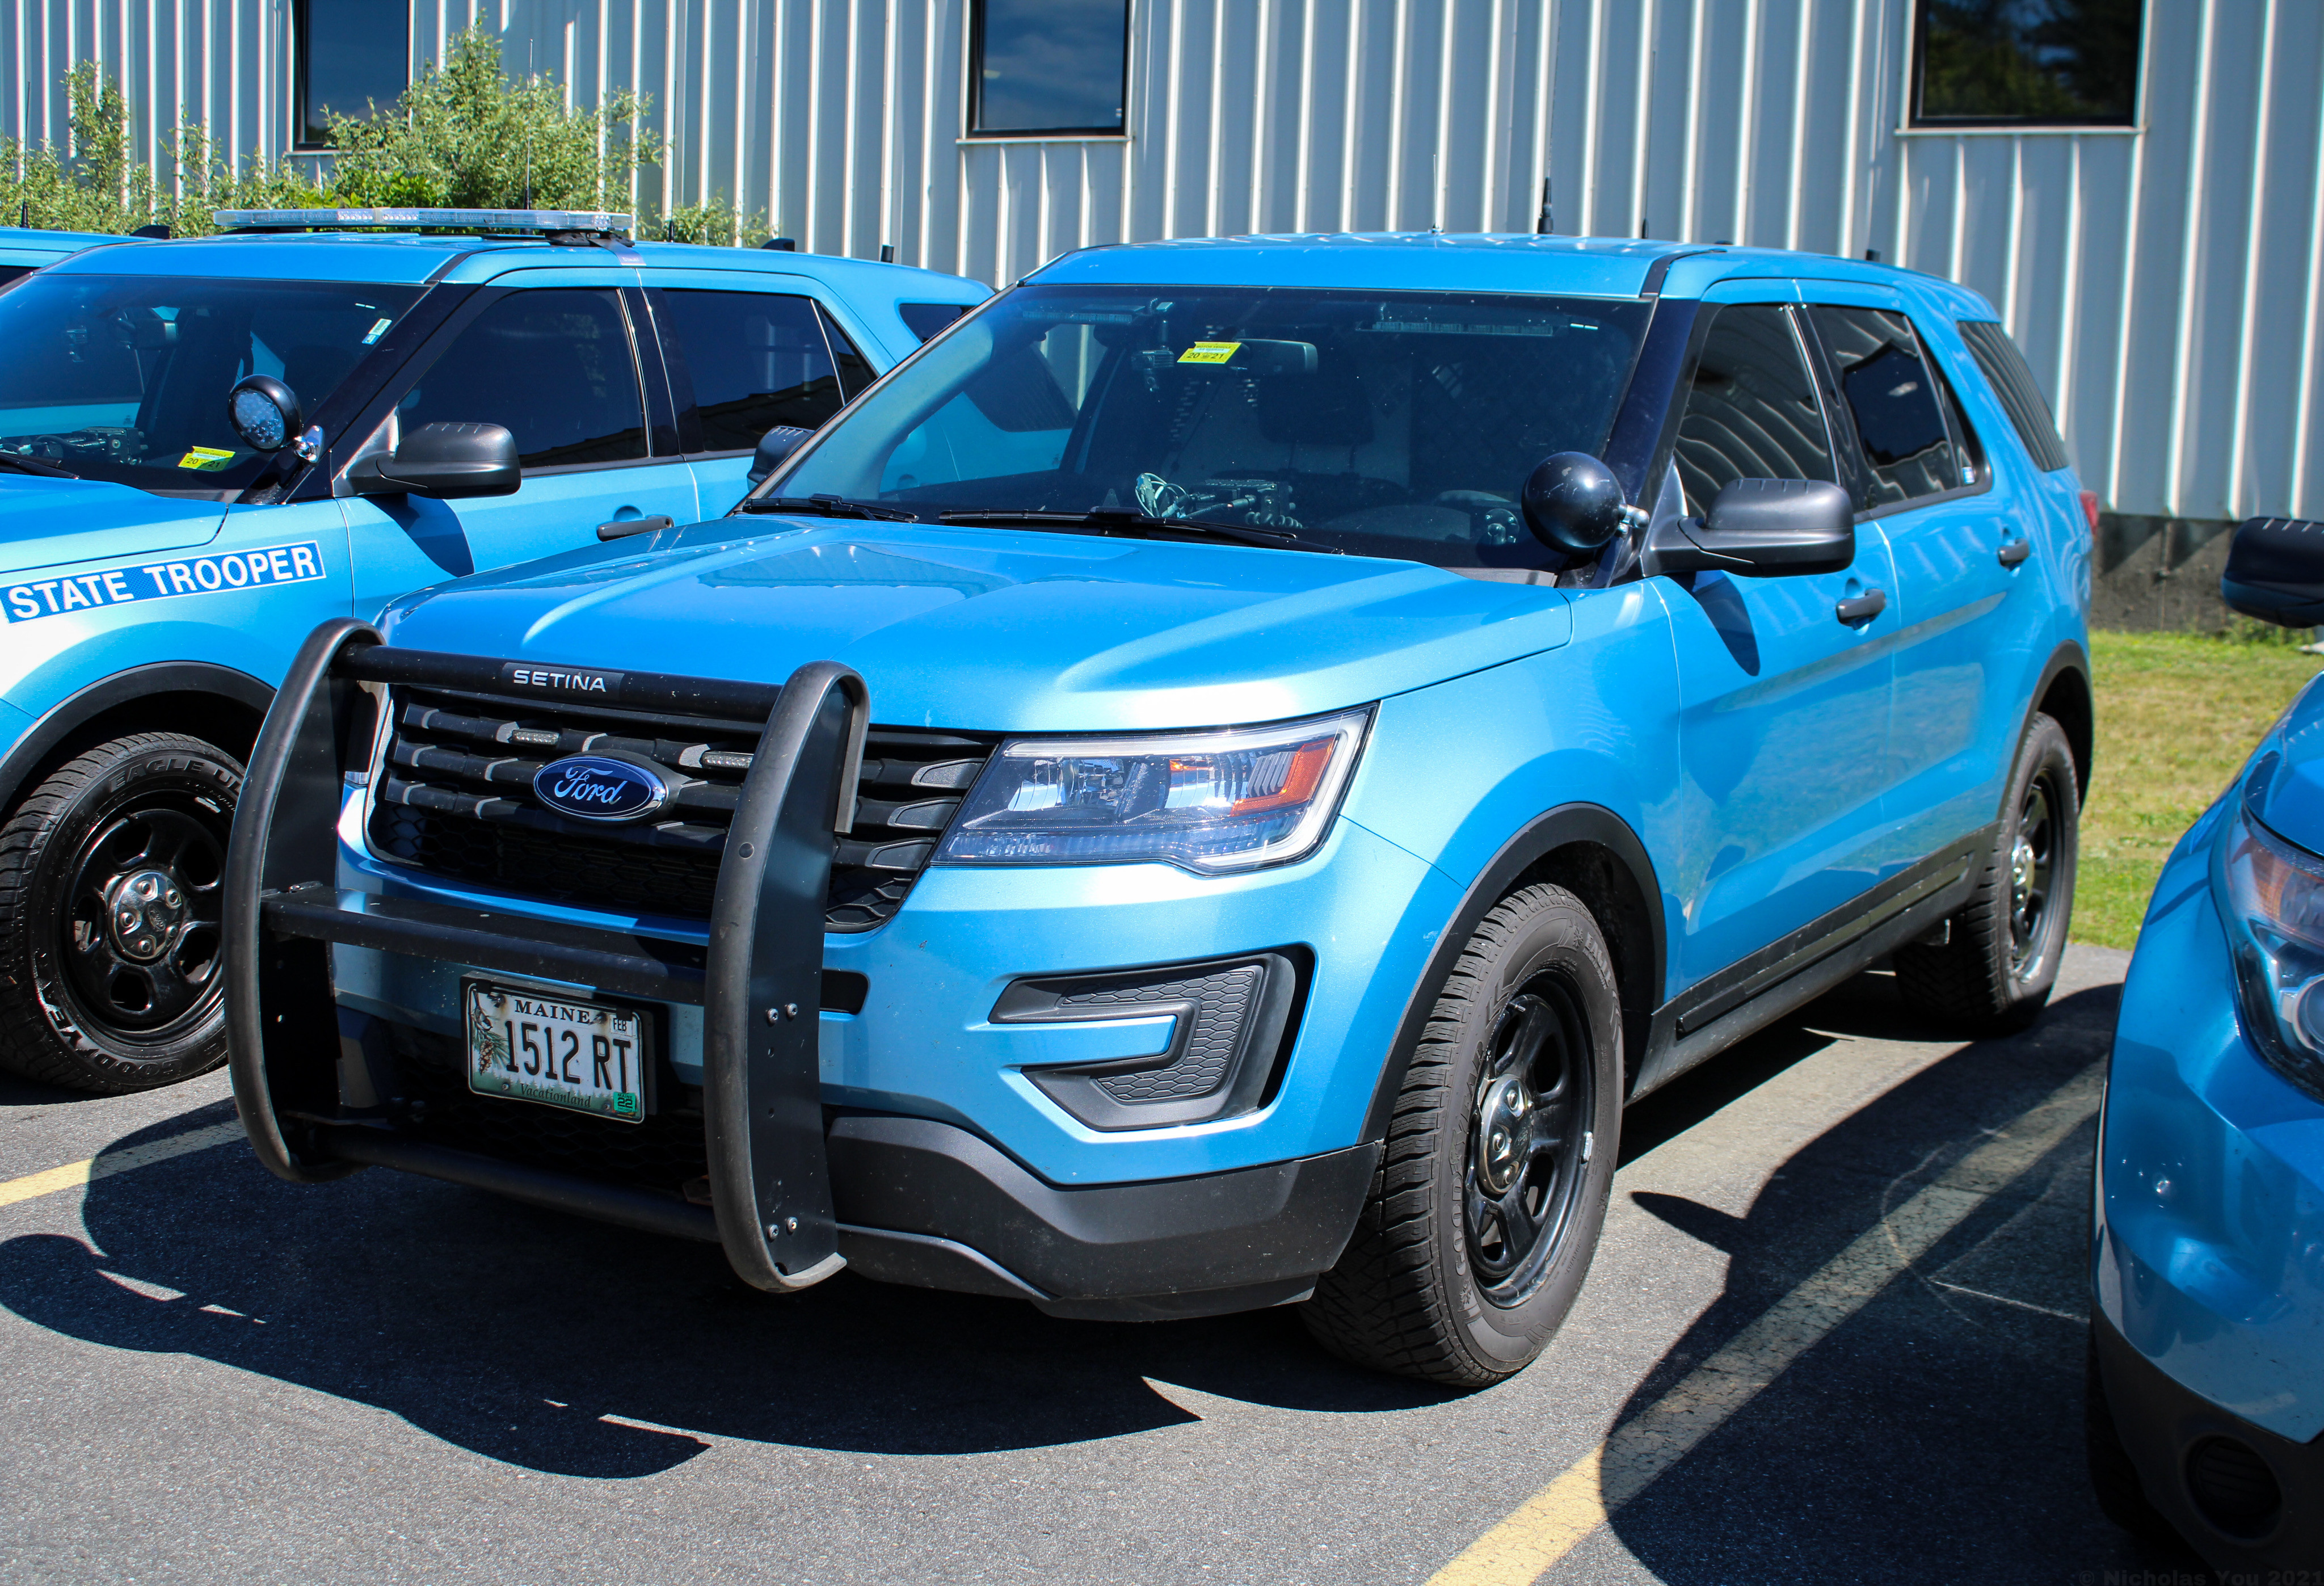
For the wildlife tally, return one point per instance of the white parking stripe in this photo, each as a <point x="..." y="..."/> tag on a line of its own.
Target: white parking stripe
<point x="1555" y="1519"/>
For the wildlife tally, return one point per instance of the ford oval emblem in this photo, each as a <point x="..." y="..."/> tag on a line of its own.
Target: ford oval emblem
<point x="597" y="787"/>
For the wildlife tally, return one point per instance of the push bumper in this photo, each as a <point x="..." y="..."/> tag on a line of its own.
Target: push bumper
<point x="905" y="1200"/>
<point x="767" y="1180"/>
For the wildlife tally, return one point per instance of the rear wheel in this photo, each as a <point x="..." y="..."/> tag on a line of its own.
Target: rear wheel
<point x="1993" y="972"/>
<point x="1492" y="1183"/>
<point x="111" y="883"/>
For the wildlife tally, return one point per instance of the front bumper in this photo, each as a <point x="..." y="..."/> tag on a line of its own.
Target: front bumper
<point x="2207" y="1255"/>
<point x="904" y="1133"/>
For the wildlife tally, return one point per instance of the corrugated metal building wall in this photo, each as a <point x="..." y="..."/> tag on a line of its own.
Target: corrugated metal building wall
<point x="2164" y="281"/>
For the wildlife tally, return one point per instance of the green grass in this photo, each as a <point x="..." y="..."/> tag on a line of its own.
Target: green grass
<point x="2178" y="713"/>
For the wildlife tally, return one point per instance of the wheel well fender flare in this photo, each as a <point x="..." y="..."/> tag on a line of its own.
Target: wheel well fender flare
<point x="2064" y="694"/>
<point x="1573" y="841"/>
<point x="137" y="686"/>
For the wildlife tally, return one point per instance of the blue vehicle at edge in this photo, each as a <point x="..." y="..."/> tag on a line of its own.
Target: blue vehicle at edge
<point x="23" y="249"/>
<point x="1210" y="787"/>
<point x="161" y="554"/>
<point x="2206" y="1329"/>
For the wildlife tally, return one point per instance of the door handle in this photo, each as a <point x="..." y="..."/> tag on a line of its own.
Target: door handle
<point x="622" y="528"/>
<point x="2015" y="551"/>
<point x="1862" y="608"/>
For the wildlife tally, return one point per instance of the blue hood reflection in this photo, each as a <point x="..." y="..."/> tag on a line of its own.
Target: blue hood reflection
<point x="999" y="630"/>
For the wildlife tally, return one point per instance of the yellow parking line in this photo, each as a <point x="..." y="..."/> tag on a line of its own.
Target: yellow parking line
<point x="1556" y="1519"/>
<point x="74" y="1173"/>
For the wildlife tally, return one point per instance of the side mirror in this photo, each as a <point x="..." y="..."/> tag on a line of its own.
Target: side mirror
<point x="774" y="446"/>
<point x="1573" y="503"/>
<point x="1765" y="528"/>
<point x="2275" y="571"/>
<point x="264" y="411"/>
<point x="448" y="461"/>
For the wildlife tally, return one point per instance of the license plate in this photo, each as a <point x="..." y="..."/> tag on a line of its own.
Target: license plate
<point x="558" y="1050"/>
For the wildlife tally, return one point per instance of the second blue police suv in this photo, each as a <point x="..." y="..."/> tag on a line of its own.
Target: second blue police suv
<point x="209" y="446"/>
<point x="1210" y="786"/>
<point x="2207" y="1315"/>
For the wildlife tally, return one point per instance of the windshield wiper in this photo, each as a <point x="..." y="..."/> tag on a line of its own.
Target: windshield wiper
<point x="826" y="506"/>
<point x="1122" y="520"/>
<point x="25" y="465"/>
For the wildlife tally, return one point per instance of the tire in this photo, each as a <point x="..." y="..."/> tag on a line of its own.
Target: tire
<point x="1994" y="974"/>
<point x="1448" y="1277"/>
<point x="111" y="881"/>
<point x="2114" y="1479"/>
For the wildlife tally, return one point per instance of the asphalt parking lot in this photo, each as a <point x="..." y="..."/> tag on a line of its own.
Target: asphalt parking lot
<point x="1845" y="1262"/>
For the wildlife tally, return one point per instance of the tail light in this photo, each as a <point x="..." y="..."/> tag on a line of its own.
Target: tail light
<point x="2090" y="509"/>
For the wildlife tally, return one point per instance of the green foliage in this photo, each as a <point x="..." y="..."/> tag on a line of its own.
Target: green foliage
<point x="461" y="136"/>
<point x="465" y="136"/>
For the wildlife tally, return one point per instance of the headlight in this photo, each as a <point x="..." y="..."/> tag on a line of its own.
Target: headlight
<point x="1207" y="801"/>
<point x="2273" y="896"/>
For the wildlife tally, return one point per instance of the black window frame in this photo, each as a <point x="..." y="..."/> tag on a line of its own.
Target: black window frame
<point x="301" y="32"/>
<point x="973" y="131"/>
<point x="1856" y="471"/>
<point x="1916" y="80"/>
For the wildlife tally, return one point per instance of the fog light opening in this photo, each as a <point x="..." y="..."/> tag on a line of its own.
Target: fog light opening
<point x="2232" y="1487"/>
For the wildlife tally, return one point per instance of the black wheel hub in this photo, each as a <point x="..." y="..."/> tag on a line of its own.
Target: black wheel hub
<point x="2033" y="867"/>
<point x="141" y="916"/>
<point x="1530" y="1141"/>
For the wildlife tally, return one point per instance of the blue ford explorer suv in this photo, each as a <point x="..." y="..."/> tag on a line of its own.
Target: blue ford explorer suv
<point x="1209" y="786"/>
<point x="209" y="447"/>
<point x="2206" y="1325"/>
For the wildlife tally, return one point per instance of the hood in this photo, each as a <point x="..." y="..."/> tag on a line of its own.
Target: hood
<point x="44" y="523"/>
<point x="974" y="628"/>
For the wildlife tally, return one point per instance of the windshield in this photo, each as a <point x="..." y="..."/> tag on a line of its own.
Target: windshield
<point x="1385" y="424"/>
<point x="125" y="377"/>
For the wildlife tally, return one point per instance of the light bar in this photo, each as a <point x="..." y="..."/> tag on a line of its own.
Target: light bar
<point x="454" y="219"/>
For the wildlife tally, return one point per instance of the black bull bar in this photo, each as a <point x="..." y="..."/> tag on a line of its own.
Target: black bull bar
<point x="758" y="983"/>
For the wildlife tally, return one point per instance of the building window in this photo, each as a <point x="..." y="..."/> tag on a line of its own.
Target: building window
<point x="347" y="57"/>
<point x="2026" y="62"/>
<point x="1048" y="67"/>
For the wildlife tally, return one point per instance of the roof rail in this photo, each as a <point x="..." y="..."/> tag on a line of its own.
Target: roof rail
<point x="576" y="226"/>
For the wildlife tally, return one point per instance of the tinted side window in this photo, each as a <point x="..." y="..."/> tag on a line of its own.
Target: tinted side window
<point x="854" y="372"/>
<point x="924" y="319"/>
<point x="553" y="367"/>
<point x="757" y="360"/>
<point x="1751" y="412"/>
<point x="2021" y="396"/>
<point x="1895" y="400"/>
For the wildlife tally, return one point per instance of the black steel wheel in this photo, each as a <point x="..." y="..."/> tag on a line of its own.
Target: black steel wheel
<point x="111" y="884"/>
<point x="1535" y="1106"/>
<point x="1485" y="1210"/>
<point x="1992" y="975"/>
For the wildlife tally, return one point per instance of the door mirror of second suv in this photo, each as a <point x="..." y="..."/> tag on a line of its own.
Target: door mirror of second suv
<point x="1765" y="528"/>
<point x="2275" y="571"/>
<point x="774" y="446"/>
<point x="443" y="460"/>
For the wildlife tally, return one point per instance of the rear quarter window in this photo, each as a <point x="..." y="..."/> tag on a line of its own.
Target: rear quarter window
<point x="2020" y="395"/>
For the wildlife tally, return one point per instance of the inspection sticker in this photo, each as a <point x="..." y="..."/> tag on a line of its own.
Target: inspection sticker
<point x="202" y="575"/>
<point x="1210" y="352"/>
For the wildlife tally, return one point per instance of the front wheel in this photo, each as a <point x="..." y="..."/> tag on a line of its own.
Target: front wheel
<point x="1492" y="1183"/>
<point x="112" y="887"/>
<point x="1993" y="975"/>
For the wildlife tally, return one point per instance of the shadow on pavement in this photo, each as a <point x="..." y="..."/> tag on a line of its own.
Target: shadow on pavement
<point x="1935" y="1434"/>
<point x="536" y="1339"/>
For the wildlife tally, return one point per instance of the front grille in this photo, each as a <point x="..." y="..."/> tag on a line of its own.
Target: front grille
<point x="455" y="800"/>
